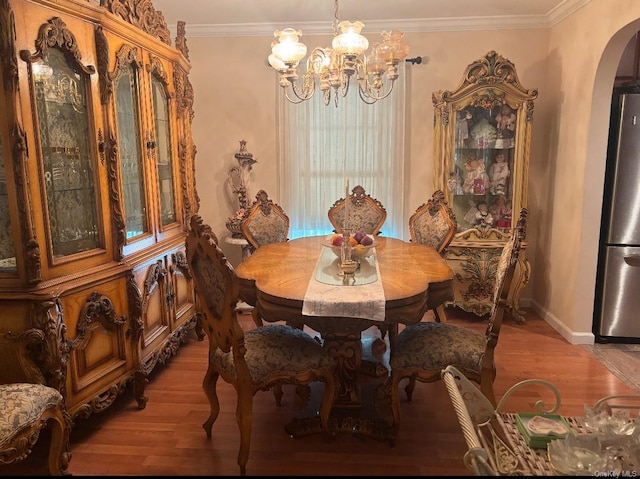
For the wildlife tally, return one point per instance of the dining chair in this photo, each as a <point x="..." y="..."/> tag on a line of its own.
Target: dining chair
<point x="254" y="360"/>
<point x="366" y="214"/>
<point x="264" y="222"/>
<point x="434" y="224"/>
<point x="423" y="349"/>
<point x="28" y="405"/>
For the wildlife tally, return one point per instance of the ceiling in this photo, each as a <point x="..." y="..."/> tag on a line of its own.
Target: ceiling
<point x="260" y="17"/>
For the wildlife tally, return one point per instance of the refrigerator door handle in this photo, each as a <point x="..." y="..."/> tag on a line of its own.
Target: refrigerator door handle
<point x="632" y="259"/>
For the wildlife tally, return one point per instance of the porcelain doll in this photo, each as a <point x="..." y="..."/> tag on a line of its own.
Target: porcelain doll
<point x="498" y="174"/>
<point x="469" y="218"/>
<point x="483" y="216"/>
<point x="506" y="122"/>
<point x="501" y="211"/>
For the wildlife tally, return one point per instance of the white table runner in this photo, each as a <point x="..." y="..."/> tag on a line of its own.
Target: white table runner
<point x="351" y="301"/>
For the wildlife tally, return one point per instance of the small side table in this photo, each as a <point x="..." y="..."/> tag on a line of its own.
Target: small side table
<point x="239" y="242"/>
<point x="241" y="307"/>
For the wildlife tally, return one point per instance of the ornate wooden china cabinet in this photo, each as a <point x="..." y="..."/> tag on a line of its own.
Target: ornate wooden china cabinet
<point x="96" y="189"/>
<point x="481" y="155"/>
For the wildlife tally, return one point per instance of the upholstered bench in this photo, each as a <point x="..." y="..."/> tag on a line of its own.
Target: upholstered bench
<point x="27" y="407"/>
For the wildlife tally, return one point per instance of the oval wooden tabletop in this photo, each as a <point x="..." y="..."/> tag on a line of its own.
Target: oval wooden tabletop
<point x="282" y="271"/>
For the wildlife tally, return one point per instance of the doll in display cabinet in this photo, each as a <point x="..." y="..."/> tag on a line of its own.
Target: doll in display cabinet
<point x="469" y="218"/>
<point x="498" y="174"/>
<point x="483" y="217"/>
<point x="501" y="211"/>
<point x="505" y="125"/>
<point x="463" y="125"/>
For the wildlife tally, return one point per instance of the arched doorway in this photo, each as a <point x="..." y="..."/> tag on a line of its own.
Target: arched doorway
<point x="595" y="166"/>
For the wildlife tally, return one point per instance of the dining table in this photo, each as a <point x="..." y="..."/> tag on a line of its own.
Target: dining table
<point x="299" y="281"/>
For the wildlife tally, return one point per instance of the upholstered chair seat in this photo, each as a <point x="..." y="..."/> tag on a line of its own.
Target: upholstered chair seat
<point x="28" y="405"/>
<point x="22" y="407"/>
<point x="437" y="339"/>
<point x="275" y="348"/>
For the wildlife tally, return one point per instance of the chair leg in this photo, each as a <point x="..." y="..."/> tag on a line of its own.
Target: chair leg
<point x="255" y="315"/>
<point x="209" y="386"/>
<point x="277" y="393"/>
<point x="408" y="389"/>
<point x="244" y="417"/>
<point x="394" y="398"/>
<point x="59" y="454"/>
<point x="440" y="314"/>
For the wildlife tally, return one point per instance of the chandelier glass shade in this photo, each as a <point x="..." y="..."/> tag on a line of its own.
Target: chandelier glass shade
<point x="331" y="69"/>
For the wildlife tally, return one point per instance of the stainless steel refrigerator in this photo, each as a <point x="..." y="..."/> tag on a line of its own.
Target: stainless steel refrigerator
<point x="617" y="299"/>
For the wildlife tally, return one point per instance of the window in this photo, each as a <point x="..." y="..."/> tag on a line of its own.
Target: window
<point x="323" y="145"/>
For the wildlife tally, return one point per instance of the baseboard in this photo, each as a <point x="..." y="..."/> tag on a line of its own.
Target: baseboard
<point x="573" y="337"/>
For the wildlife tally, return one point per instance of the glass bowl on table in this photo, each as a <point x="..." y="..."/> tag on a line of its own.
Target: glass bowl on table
<point x="360" y="247"/>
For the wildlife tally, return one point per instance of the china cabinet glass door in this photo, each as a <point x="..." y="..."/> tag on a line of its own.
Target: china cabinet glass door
<point x="163" y="149"/>
<point x="63" y="123"/>
<point x="131" y="167"/>
<point x="481" y="183"/>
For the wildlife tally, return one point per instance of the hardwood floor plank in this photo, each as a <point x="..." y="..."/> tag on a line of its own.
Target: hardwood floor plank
<point x="166" y="438"/>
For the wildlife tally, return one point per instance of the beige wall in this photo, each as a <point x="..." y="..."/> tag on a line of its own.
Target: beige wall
<point x="240" y="103"/>
<point x="235" y="98"/>
<point x="584" y="52"/>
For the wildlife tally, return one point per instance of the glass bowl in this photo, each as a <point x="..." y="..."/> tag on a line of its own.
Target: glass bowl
<point x="358" y="252"/>
<point x="577" y="455"/>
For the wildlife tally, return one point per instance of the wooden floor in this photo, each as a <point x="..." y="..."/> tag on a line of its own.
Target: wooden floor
<point x="166" y="438"/>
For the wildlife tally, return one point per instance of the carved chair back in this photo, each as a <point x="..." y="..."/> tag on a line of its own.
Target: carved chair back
<point x="366" y="214"/>
<point x="433" y="223"/>
<point x="265" y="222"/>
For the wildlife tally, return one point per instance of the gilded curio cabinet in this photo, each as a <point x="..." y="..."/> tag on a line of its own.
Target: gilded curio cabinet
<point x="96" y="188"/>
<point x="482" y="143"/>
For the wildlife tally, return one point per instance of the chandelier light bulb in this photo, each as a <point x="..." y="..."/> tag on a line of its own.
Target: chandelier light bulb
<point x="350" y="41"/>
<point x="288" y="49"/>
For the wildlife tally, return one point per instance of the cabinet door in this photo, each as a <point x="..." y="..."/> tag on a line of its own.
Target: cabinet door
<point x="481" y="183"/>
<point x="65" y="120"/>
<point x="163" y="129"/>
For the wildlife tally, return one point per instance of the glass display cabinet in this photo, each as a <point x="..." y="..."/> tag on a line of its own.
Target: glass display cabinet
<point x="481" y="156"/>
<point x="96" y="189"/>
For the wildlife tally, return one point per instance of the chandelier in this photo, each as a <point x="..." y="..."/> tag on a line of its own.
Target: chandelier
<point x="331" y="69"/>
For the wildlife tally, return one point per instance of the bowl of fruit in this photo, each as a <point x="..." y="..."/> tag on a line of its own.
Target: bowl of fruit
<point x="362" y="244"/>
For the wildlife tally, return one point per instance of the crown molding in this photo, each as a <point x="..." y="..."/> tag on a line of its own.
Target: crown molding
<point x="414" y="25"/>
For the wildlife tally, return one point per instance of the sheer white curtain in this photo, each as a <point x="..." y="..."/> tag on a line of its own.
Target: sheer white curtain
<point x="321" y="146"/>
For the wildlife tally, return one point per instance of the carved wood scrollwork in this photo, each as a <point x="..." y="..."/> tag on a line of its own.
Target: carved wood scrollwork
<point x="98" y="307"/>
<point x="180" y="262"/>
<point x="134" y="297"/>
<point x="55" y="33"/>
<point x="7" y="47"/>
<point x="27" y="224"/>
<point x="54" y="355"/>
<point x="156" y="274"/>
<point x="142" y="14"/>
<point x="181" y="39"/>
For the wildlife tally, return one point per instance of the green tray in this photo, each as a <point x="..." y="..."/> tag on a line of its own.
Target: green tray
<point x="543" y="429"/>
